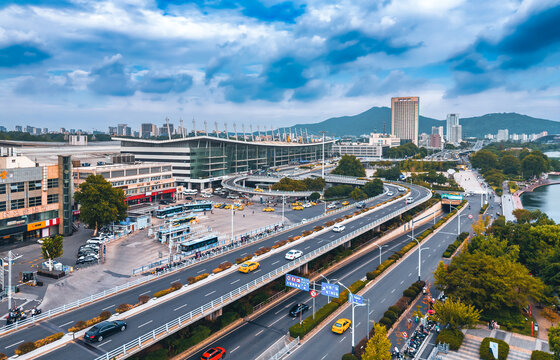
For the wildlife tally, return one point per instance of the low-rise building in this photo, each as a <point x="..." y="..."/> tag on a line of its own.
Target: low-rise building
<point x="358" y="150"/>
<point x="387" y="140"/>
<point x="141" y="182"/>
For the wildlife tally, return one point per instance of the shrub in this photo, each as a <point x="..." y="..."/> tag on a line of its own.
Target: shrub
<point x="105" y="315"/>
<point x="227" y="318"/>
<point x="123" y="308"/>
<point x="262" y="250"/>
<point x="142" y="299"/>
<point x="217" y="270"/>
<point x="349" y="356"/>
<point x="49" y="339"/>
<point x="306" y="233"/>
<point x="538" y="355"/>
<point x="318" y="228"/>
<point x="395" y="309"/>
<point x="409" y="293"/>
<point x="329" y="223"/>
<point x="391" y="315"/>
<point x="296" y="238"/>
<point x="503" y="349"/>
<point x="309" y="323"/>
<point x="176" y="286"/>
<point x="3" y="356"/>
<point x="161" y="293"/>
<point x="452" y="337"/>
<point x="339" y="220"/>
<point x="191" y="280"/>
<point x="387" y="322"/>
<point x="25" y="348"/>
<point x="79" y="325"/>
<point x="402" y="303"/>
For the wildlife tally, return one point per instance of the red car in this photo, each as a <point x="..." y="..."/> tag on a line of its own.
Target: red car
<point x="216" y="353"/>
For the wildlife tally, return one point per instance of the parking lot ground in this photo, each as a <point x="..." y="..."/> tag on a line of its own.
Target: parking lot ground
<point x="467" y="179"/>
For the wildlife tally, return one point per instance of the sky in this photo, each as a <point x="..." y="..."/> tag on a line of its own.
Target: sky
<point x="90" y="64"/>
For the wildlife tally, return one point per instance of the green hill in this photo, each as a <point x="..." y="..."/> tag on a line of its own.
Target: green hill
<point x="377" y="119"/>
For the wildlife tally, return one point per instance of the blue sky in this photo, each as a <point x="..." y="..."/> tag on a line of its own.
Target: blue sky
<point x="89" y="64"/>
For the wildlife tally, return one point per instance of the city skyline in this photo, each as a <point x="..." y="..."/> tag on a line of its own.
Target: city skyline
<point x="104" y="63"/>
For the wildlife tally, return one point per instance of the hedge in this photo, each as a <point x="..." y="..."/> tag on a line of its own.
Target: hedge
<point x="80" y="325"/>
<point x="309" y="323"/>
<point x="30" y="346"/>
<point x="541" y="355"/>
<point x="192" y="279"/>
<point x="453" y="246"/>
<point x="123" y="308"/>
<point x="349" y="356"/>
<point x="453" y="337"/>
<point x="503" y="349"/>
<point x="483" y="208"/>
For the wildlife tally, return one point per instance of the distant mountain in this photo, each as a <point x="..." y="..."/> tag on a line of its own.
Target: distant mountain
<point x="377" y="119"/>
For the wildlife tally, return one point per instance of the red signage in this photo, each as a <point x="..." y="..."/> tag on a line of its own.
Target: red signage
<point x="313" y="293"/>
<point x="404" y="334"/>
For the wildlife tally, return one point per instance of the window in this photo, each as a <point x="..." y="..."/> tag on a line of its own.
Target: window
<point x="35" y="201"/>
<point x="131" y="181"/>
<point x="166" y="177"/>
<point x="82" y="176"/>
<point x="53" y="183"/>
<point x="117" y="173"/>
<point x="52" y="199"/>
<point x="154" y="178"/>
<point x="106" y="174"/>
<point x="35" y="185"/>
<point x="131" y="172"/>
<point x="17" y="187"/>
<point x="2" y="206"/>
<point x="118" y="183"/>
<point x="143" y="171"/>
<point x="2" y="188"/>
<point x="17" y="204"/>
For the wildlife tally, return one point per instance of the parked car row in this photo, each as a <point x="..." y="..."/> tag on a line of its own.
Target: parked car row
<point x="89" y="252"/>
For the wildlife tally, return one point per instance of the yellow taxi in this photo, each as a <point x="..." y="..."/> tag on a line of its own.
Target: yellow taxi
<point x="217" y="206"/>
<point x="227" y="207"/>
<point x="296" y="204"/>
<point x="249" y="266"/>
<point x="340" y="326"/>
<point x="313" y="203"/>
<point x="299" y="207"/>
<point x="268" y="209"/>
<point x="259" y="190"/>
<point x="240" y="207"/>
<point x="344" y="203"/>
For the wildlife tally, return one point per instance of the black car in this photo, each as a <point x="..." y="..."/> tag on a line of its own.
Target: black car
<point x="104" y="329"/>
<point x="297" y="309"/>
<point x="89" y="259"/>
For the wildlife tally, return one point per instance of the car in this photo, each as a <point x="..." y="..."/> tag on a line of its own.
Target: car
<point x="390" y="193"/>
<point x="338" y="228"/>
<point x="249" y="266"/>
<point x="100" y="331"/>
<point x="90" y="259"/>
<point x="259" y="190"/>
<point x="307" y="205"/>
<point x="402" y="189"/>
<point x="361" y="205"/>
<point x="297" y="208"/>
<point x="313" y="203"/>
<point x="217" y="205"/>
<point x="95" y="241"/>
<point x="293" y="254"/>
<point x="331" y="206"/>
<point x="298" y="309"/>
<point x="268" y="209"/>
<point x="87" y="252"/>
<point x="297" y="203"/>
<point x="304" y="221"/>
<point x="344" y="203"/>
<point x="215" y="353"/>
<point x="233" y="196"/>
<point x="204" y="195"/>
<point x="409" y="199"/>
<point x="340" y="326"/>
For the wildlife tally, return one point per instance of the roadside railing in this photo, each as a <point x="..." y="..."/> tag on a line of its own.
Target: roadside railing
<point x="173" y="326"/>
<point x="279" y="349"/>
<point x="142" y="280"/>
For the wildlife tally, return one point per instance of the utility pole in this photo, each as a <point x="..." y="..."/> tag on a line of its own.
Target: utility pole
<point x="283" y="202"/>
<point x="10" y="259"/>
<point x="323" y="162"/>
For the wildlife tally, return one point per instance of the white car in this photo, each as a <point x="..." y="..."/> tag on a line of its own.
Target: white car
<point x="96" y="241"/>
<point x="303" y="221"/>
<point x="306" y="205"/>
<point x="390" y="193"/>
<point x="293" y="254"/>
<point x="206" y="195"/>
<point x="409" y="199"/>
<point x="338" y="228"/>
<point x="331" y="206"/>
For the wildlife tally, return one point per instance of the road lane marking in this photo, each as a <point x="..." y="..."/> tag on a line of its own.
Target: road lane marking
<point x="198" y="272"/>
<point x="69" y="322"/>
<point x="308" y="300"/>
<point x="144" y="324"/>
<point x="108" y="307"/>
<point x="234" y="349"/>
<point x="14" y="344"/>
<point x="341" y="340"/>
<point x="402" y="282"/>
<point x="392" y="291"/>
<point x="244" y="254"/>
<point x="106" y="342"/>
<point x="276" y="262"/>
<point x="323" y="358"/>
<point x="306" y="248"/>
<point x="210" y="293"/>
<point x="358" y="324"/>
<point x="275" y="321"/>
<point x="409" y="274"/>
<point x="174" y="281"/>
<point x="235" y="281"/>
<point x="180" y="307"/>
<point x="382" y="301"/>
<point x="260" y="332"/>
<point x="145" y="292"/>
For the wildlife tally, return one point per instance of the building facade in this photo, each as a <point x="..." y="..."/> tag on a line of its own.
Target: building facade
<point x="358" y="150"/>
<point x="404" y="118"/>
<point x="503" y="135"/>
<point x="141" y="182"/>
<point x="385" y="140"/>
<point x="452" y="120"/>
<point x="456" y="134"/>
<point x="199" y="161"/>
<point x="148" y="130"/>
<point x="35" y="201"/>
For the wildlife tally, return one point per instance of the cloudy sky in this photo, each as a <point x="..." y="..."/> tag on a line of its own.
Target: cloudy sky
<point x="89" y="64"/>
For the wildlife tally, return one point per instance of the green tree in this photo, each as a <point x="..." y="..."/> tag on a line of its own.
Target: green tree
<point x="533" y="165"/>
<point x="52" y="248"/>
<point x="349" y="165"/>
<point x="357" y="194"/>
<point x="314" y="196"/>
<point x="484" y="160"/>
<point x="373" y="188"/>
<point x="378" y="346"/>
<point x="493" y="246"/>
<point x="100" y="203"/>
<point x="510" y="164"/>
<point x="456" y="313"/>
<point x="494" y="177"/>
<point x="554" y="341"/>
<point x="392" y="173"/>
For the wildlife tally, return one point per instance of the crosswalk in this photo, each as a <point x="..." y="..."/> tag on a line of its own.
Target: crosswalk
<point x="470" y="350"/>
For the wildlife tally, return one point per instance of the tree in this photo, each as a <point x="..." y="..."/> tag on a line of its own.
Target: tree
<point x="551" y="315"/>
<point x="52" y="248"/>
<point x="510" y="164"/>
<point x="523" y="216"/>
<point x="357" y="194"/>
<point x="533" y="165"/>
<point x="349" y="165"/>
<point x="100" y="203"/>
<point x="378" y="346"/>
<point x="494" y="177"/>
<point x="554" y="341"/>
<point x="456" y="313"/>
<point x="314" y="196"/>
<point x="484" y="160"/>
<point x="392" y="173"/>
<point x="373" y="188"/>
<point x="490" y="245"/>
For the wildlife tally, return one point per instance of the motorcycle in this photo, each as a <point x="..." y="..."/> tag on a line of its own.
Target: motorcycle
<point x="15" y="314"/>
<point x="35" y="311"/>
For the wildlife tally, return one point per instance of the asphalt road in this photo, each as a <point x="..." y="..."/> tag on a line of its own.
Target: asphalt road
<point x="171" y="309"/>
<point x="326" y="345"/>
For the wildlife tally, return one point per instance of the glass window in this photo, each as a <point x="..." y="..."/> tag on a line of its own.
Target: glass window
<point x="117" y="173"/>
<point x="131" y="181"/>
<point x="17" y="204"/>
<point x="35" y="201"/>
<point x="143" y="171"/>
<point x="106" y="174"/>
<point x="17" y="187"/>
<point x="52" y="199"/>
<point x="35" y="185"/>
<point x="154" y="178"/>
<point x="53" y="183"/>
<point x="2" y="206"/>
<point x="131" y="172"/>
<point x="156" y="169"/>
<point x="2" y="188"/>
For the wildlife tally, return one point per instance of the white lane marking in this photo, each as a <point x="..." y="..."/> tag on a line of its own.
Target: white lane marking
<point x="180" y="307"/>
<point x="423" y="261"/>
<point x="106" y="342"/>
<point x="210" y="293"/>
<point x="244" y="254"/>
<point x="234" y="349"/>
<point x="260" y="332"/>
<point x="341" y="340"/>
<point x="371" y="312"/>
<point x="323" y="358"/>
<point x="171" y="282"/>
<point x="275" y="321"/>
<point x="308" y="300"/>
<point x="382" y="301"/>
<point x="276" y="262"/>
<point x="402" y="282"/>
<point x="198" y="272"/>
<point x="108" y="307"/>
<point x="69" y="322"/>
<point x="410" y="274"/>
<point x="145" y="292"/>
<point x="144" y="324"/>
<point x="256" y="271"/>
<point x="278" y="312"/>
<point x="392" y="291"/>
<point x="14" y="344"/>
<point x="318" y="242"/>
<point x="235" y="281"/>
<point x="306" y="248"/>
<point x="358" y="324"/>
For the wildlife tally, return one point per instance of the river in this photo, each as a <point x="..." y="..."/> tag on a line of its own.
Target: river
<point x="544" y="198"/>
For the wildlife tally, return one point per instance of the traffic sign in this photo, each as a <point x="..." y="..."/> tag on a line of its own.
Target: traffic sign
<point x="297" y="282"/>
<point x="404" y="334"/>
<point x="313" y="293"/>
<point x="356" y="299"/>
<point x="470" y="216"/>
<point x="331" y="290"/>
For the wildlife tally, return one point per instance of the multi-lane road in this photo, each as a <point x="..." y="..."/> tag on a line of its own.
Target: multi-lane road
<point x="169" y="310"/>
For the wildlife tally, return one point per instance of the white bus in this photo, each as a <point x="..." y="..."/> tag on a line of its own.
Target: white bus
<point x="190" y="192"/>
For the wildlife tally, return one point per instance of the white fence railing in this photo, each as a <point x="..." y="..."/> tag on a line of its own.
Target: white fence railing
<point x="139" y="281"/>
<point x="163" y="331"/>
<point x="279" y="349"/>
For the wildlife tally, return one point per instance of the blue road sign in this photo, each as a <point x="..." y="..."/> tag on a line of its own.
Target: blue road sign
<point x="331" y="290"/>
<point x="356" y="299"/>
<point x="297" y="282"/>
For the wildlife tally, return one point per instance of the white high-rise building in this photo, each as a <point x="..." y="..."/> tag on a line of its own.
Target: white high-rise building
<point x="452" y="119"/>
<point x="503" y="135"/>
<point x="404" y="118"/>
<point x="456" y="134"/>
<point x="438" y="130"/>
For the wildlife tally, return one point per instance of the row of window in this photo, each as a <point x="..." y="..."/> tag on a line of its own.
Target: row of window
<point x="32" y="201"/>
<point x="33" y="185"/>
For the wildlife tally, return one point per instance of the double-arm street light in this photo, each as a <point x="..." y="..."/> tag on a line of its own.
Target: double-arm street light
<point x="350" y="298"/>
<point x="458" y="219"/>
<point x="380" y="247"/>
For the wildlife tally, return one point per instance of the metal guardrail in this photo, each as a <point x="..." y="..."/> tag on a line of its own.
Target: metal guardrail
<point x="188" y="262"/>
<point x="173" y="326"/>
<point x="279" y="349"/>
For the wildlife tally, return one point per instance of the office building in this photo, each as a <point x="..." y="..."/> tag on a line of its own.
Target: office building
<point x="35" y="200"/>
<point x="384" y="140"/>
<point x="148" y="130"/>
<point x="202" y="161"/>
<point x="452" y="119"/>
<point x="358" y="150"/>
<point x="163" y="130"/>
<point x="141" y="182"/>
<point x="19" y="128"/>
<point x="503" y="135"/>
<point x="3" y="129"/>
<point x="438" y="130"/>
<point x="404" y="118"/>
<point x="113" y="130"/>
<point x="80" y="140"/>
<point x="435" y="140"/>
<point x="456" y="134"/>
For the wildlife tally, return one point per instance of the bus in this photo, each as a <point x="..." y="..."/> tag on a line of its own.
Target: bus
<point x="183" y="208"/>
<point x="191" y="218"/>
<point x="193" y="246"/>
<point x="190" y="191"/>
<point x="177" y="233"/>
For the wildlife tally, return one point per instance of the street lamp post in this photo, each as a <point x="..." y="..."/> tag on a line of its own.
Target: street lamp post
<point x="323" y="163"/>
<point x="419" y="257"/>
<point x="283" y="202"/>
<point x="380" y="247"/>
<point x="350" y="297"/>
<point x="328" y="282"/>
<point x="458" y="220"/>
